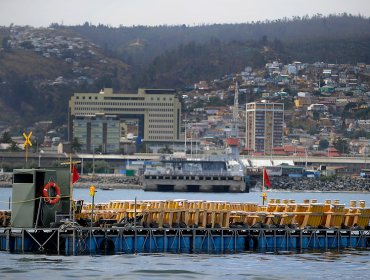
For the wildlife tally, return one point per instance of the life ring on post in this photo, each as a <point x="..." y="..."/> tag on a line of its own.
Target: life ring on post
<point x="45" y="193"/>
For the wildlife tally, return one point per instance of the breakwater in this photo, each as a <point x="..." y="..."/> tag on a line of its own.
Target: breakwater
<point x="114" y="181"/>
<point x="85" y="181"/>
<point x="324" y="184"/>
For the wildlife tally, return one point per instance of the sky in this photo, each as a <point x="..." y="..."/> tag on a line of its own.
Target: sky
<point x="171" y="12"/>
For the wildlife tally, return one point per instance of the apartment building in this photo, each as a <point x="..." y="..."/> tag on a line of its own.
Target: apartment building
<point x="97" y="132"/>
<point x="157" y="112"/>
<point x="264" y="126"/>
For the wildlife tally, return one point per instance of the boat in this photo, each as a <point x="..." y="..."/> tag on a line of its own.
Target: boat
<point x="172" y="174"/>
<point x="106" y="188"/>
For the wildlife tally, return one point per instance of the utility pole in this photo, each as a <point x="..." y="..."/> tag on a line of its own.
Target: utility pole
<point x="236" y="112"/>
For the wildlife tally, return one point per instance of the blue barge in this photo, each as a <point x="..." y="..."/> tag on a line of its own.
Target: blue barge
<point x="45" y="219"/>
<point x="84" y="241"/>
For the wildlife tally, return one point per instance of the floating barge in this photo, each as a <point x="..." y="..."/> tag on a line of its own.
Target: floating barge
<point x="182" y="226"/>
<point x="42" y="222"/>
<point x="84" y="241"/>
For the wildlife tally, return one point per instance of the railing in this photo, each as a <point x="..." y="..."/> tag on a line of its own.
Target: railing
<point x="193" y="173"/>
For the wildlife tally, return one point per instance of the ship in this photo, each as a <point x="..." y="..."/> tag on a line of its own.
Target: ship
<point x="172" y="174"/>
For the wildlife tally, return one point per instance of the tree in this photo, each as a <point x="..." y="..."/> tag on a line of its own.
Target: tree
<point x="101" y="166"/>
<point x="14" y="147"/>
<point x="323" y="144"/>
<point x="6" y="138"/>
<point x="341" y="145"/>
<point x="215" y="101"/>
<point x="27" y="45"/>
<point x="75" y="145"/>
<point x="165" y="150"/>
<point x="5" y="43"/>
<point x="316" y="115"/>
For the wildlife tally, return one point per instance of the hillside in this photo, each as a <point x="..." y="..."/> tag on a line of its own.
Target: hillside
<point x="179" y="55"/>
<point x="41" y="68"/>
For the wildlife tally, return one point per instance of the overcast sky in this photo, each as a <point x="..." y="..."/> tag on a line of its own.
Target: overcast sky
<point x="156" y="12"/>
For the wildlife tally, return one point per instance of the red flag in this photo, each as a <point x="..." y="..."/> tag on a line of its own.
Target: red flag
<point x="266" y="178"/>
<point x="75" y="175"/>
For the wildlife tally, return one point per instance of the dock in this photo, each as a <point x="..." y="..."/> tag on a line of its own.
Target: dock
<point x="196" y="227"/>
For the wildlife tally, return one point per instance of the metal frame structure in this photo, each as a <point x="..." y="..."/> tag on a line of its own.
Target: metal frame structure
<point x="77" y="240"/>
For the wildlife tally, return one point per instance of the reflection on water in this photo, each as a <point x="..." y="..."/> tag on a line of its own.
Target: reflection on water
<point x="325" y="265"/>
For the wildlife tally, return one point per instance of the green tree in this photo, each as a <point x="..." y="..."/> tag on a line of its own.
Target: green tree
<point x="6" y="138"/>
<point x="27" y="45"/>
<point x="165" y="150"/>
<point x="359" y="133"/>
<point x="323" y="144"/>
<point x="5" y="43"/>
<point x="341" y="145"/>
<point x="215" y="101"/>
<point x="75" y="145"/>
<point x="101" y="166"/>
<point x="14" y="147"/>
<point x="316" y="115"/>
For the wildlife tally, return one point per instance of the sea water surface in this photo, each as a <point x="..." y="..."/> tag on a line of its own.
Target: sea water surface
<point x="344" y="264"/>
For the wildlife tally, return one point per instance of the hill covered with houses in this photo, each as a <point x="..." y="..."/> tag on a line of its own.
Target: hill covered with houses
<point x="318" y="67"/>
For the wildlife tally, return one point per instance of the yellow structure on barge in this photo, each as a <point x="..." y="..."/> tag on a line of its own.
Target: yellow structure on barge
<point x="222" y="214"/>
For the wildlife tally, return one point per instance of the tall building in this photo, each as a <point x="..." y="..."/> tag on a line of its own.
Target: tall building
<point x="264" y="126"/>
<point x="97" y="131"/>
<point x="151" y="115"/>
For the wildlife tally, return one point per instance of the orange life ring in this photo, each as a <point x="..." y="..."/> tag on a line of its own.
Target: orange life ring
<point x="45" y="193"/>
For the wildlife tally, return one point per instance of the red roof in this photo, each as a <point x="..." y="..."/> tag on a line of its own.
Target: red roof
<point x="332" y="152"/>
<point x="232" y="141"/>
<point x="279" y="153"/>
<point x="257" y="154"/>
<point x="294" y="149"/>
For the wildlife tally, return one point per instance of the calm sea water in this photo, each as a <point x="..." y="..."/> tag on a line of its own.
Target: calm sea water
<point x="347" y="264"/>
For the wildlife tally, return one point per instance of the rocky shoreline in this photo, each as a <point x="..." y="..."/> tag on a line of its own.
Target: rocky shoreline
<point x="325" y="184"/>
<point x="115" y="182"/>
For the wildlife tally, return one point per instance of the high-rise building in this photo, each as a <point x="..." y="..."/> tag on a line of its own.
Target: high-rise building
<point x="264" y="126"/>
<point x="97" y="132"/>
<point x="151" y="115"/>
